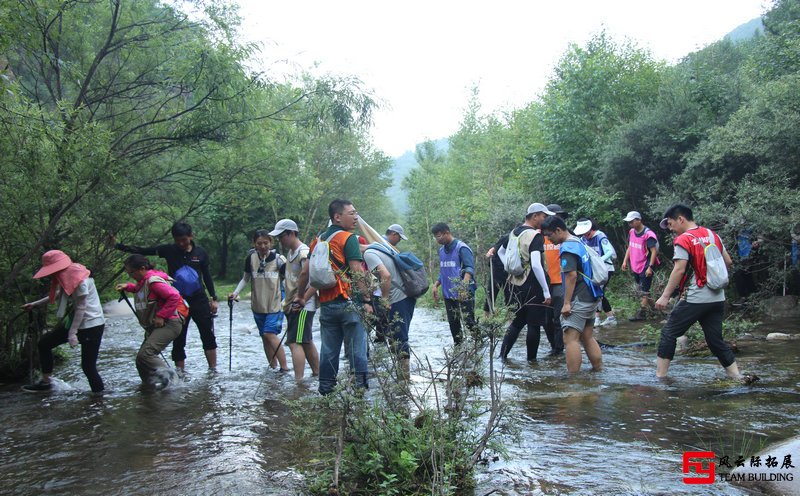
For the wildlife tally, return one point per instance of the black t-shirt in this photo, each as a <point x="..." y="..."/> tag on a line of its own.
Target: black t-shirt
<point x="177" y="258"/>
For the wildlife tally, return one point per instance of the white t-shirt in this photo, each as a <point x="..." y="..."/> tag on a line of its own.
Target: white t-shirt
<point x="93" y="314"/>
<point x="375" y="258"/>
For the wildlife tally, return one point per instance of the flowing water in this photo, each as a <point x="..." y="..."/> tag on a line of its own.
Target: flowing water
<point x="617" y="431"/>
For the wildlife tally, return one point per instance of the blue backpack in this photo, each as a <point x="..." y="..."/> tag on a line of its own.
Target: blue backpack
<point x="187" y="281"/>
<point x="411" y="269"/>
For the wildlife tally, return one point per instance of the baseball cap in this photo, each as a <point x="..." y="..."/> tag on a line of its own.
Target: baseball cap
<point x="556" y="208"/>
<point x="284" y="225"/>
<point x="399" y="230"/>
<point x="582" y="227"/>
<point x="633" y="214"/>
<point x="664" y="224"/>
<point x="535" y="208"/>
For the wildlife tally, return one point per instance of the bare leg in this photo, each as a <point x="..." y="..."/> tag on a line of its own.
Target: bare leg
<point x="313" y="358"/>
<point x="592" y="349"/>
<point x="298" y="360"/>
<point x="733" y="371"/>
<point x="662" y="367"/>
<point x="572" y="349"/>
<point x="211" y="358"/>
<point x="273" y="348"/>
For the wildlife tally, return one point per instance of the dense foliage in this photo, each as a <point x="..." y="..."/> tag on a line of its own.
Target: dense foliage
<point x="119" y="118"/>
<point x="615" y="130"/>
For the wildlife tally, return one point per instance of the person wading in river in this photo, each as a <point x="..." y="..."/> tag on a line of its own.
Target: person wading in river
<point x="70" y="284"/>
<point x="341" y="305"/>
<point x="161" y="312"/>
<point x="697" y="302"/>
<point x="642" y="255"/>
<point x="185" y="263"/>
<point x="594" y="238"/>
<point x="530" y="293"/>
<point x="457" y="280"/>
<point x="262" y="268"/>
<point x="581" y="296"/>
<point x="552" y="259"/>
<point x="300" y="305"/>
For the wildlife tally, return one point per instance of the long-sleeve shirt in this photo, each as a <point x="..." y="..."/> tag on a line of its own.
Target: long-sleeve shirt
<point x="177" y="258"/>
<point x="166" y="297"/>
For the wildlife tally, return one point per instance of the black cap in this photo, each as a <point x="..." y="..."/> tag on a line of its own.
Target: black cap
<point x="554" y="207"/>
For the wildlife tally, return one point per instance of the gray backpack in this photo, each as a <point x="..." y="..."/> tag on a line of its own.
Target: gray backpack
<point x="321" y="273"/>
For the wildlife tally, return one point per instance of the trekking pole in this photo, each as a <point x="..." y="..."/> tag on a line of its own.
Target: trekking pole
<point x="491" y="281"/>
<point x="123" y="296"/>
<point x="230" y="334"/>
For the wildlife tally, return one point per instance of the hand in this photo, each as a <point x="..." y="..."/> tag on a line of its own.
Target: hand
<point x="28" y="307"/>
<point x="73" y="340"/>
<point x="548" y="301"/>
<point x="435" y="295"/>
<point x="233" y="296"/>
<point x="297" y="304"/>
<point x="624" y="266"/>
<point x="649" y="272"/>
<point x="158" y="322"/>
<point x="368" y="307"/>
<point x="214" y="307"/>
<point x="661" y="303"/>
<point x="120" y="287"/>
<point x="490" y="253"/>
<point x="566" y="309"/>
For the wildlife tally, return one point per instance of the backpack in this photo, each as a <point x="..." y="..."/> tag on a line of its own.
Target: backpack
<point x="599" y="267"/>
<point x="512" y="262"/>
<point x="411" y="269"/>
<point x="187" y="281"/>
<point x="716" y="270"/>
<point x="321" y="274"/>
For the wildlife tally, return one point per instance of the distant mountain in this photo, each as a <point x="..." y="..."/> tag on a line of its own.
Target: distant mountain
<point x="402" y="166"/>
<point x="746" y="31"/>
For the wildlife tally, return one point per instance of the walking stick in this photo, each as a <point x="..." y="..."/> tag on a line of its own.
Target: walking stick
<point x="230" y="334"/>
<point x="491" y="281"/>
<point x="123" y="296"/>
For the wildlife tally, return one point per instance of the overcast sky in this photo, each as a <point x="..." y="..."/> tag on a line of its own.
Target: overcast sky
<point x="421" y="58"/>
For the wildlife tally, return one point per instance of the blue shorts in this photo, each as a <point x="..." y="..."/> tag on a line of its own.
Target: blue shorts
<point x="268" y="322"/>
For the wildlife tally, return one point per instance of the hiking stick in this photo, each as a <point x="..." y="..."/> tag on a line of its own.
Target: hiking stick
<point x="123" y="296"/>
<point x="230" y="334"/>
<point x="491" y="281"/>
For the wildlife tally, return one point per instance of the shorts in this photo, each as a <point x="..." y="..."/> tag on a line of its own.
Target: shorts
<point x="582" y="314"/>
<point x="643" y="282"/>
<point x="298" y="327"/>
<point x="268" y="323"/>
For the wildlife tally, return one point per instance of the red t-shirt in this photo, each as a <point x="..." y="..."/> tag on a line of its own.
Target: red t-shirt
<point x="691" y="242"/>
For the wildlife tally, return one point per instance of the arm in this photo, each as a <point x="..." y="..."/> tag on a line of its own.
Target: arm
<point x="128" y="287"/>
<point x="239" y="287"/>
<point x="79" y="302"/>
<point x="674" y="280"/>
<point x="653" y="256"/>
<point x="538" y="272"/>
<point x="29" y="306"/>
<point x="210" y="286"/>
<point x="302" y="282"/>
<point x="386" y="280"/>
<point x="608" y="250"/>
<point x="139" y="250"/>
<point x="625" y="260"/>
<point x="361" y="283"/>
<point x="170" y="297"/>
<point x="569" y="279"/>
<point x="727" y="258"/>
<point x="467" y="264"/>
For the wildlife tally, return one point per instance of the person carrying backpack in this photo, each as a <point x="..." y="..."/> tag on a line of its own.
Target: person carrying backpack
<point x="262" y="269"/>
<point x="581" y="296"/>
<point x="701" y="296"/>
<point x="188" y="266"/>
<point x="70" y="284"/>
<point x="594" y="238"/>
<point x="161" y="312"/>
<point x="343" y="295"/>
<point x="530" y="293"/>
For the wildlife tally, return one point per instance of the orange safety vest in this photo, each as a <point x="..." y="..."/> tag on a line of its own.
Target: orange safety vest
<point x="342" y="287"/>
<point x="552" y="260"/>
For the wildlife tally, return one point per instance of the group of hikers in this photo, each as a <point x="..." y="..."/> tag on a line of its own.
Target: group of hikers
<point x="551" y="276"/>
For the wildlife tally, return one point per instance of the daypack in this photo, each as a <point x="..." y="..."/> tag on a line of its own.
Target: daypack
<point x="187" y="281"/>
<point x="321" y="274"/>
<point x="599" y="267"/>
<point x="146" y="309"/>
<point x="512" y="262"/>
<point x="411" y="269"/>
<point x="716" y="270"/>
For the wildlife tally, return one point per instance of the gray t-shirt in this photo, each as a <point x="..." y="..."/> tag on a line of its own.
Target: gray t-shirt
<point x="572" y="263"/>
<point x="695" y="294"/>
<point x="375" y="258"/>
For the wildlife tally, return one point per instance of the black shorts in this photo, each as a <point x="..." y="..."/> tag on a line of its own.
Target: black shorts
<point x="643" y="282"/>
<point x="298" y="328"/>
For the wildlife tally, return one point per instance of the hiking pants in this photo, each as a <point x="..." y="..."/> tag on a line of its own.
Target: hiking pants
<point x="710" y="316"/>
<point x="200" y="312"/>
<point x="148" y="359"/>
<point x="340" y="323"/>
<point x="89" y="340"/>
<point x="456" y="312"/>
<point x="552" y="326"/>
<point x="400" y="315"/>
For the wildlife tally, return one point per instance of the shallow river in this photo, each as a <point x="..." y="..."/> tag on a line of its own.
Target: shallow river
<point x="617" y="431"/>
